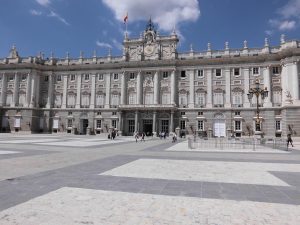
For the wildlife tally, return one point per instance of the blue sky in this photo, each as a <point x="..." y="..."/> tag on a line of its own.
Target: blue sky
<point x="73" y="25"/>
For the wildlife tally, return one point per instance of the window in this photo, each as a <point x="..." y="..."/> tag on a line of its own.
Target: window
<point x="275" y="70"/>
<point x="11" y="77"/>
<point x="58" y="78"/>
<point x="200" y="125"/>
<point x="237" y="113"/>
<point x="100" y="100"/>
<point x="165" y="74"/>
<point x="69" y="113"/>
<point x="86" y="77"/>
<point x="70" y="123"/>
<point x="165" y="98"/>
<point x="255" y="71"/>
<point x="98" y="124"/>
<point x="100" y="77"/>
<point x="236" y="71"/>
<point x="218" y="72"/>
<point x="71" y="100"/>
<point x="131" y="98"/>
<point x="218" y="98"/>
<point x="183" y="74"/>
<point x="85" y="100"/>
<point x="114" y="123"/>
<point x="200" y="99"/>
<point x="183" y="99"/>
<point x="24" y="77"/>
<point x="148" y="73"/>
<point x="148" y="98"/>
<point x="237" y="125"/>
<point x="46" y="78"/>
<point x="277" y="97"/>
<point x="182" y="124"/>
<point x="200" y="73"/>
<point x="237" y="99"/>
<point x="278" y="124"/>
<point x="131" y="126"/>
<point x="115" y="99"/>
<point x="98" y="113"/>
<point x="114" y="113"/>
<point x="131" y="76"/>
<point x="116" y="76"/>
<point x="182" y="113"/>
<point x="72" y="77"/>
<point x="200" y="113"/>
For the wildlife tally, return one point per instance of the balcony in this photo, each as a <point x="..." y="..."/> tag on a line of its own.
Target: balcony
<point x="148" y="107"/>
<point x="237" y="105"/>
<point x="219" y="105"/>
<point x="199" y="106"/>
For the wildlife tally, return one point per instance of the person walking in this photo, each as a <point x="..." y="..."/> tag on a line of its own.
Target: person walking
<point x="289" y="140"/>
<point x="136" y="136"/>
<point x="143" y="136"/>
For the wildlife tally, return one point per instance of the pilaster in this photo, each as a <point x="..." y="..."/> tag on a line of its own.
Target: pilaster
<point x="16" y="91"/>
<point x="267" y="84"/>
<point x="209" y="88"/>
<point x="3" y="90"/>
<point x="78" y="91"/>
<point x="50" y="92"/>
<point x="228" y="88"/>
<point x="139" y="88"/>
<point x="246" y="72"/>
<point x="107" y="91"/>
<point x="64" y="100"/>
<point x="123" y="88"/>
<point x="93" y="91"/>
<point x="156" y="88"/>
<point x="192" y="89"/>
<point x="173" y="87"/>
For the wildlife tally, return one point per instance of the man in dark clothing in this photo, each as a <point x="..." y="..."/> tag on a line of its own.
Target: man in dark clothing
<point x="289" y="140"/>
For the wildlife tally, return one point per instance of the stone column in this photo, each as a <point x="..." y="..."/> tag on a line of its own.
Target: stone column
<point x="64" y="100"/>
<point x="33" y="90"/>
<point x="3" y="88"/>
<point x="173" y="87"/>
<point x="172" y="122"/>
<point x="295" y="79"/>
<point x="228" y="88"/>
<point x="37" y="90"/>
<point x="50" y="92"/>
<point x="93" y="91"/>
<point x="136" y="121"/>
<point x="123" y="88"/>
<point x="156" y="88"/>
<point x="246" y="72"/>
<point x="267" y="84"/>
<point x="284" y="83"/>
<point x="154" y="123"/>
<point x="107" y="91"/>
<point x="16" y="91"/>
<point x="209" y="88"/>
<point x="78" y="91"/>
<point x="192" y="89"/>
<point x="120" y="126"/>
<point x="139" y="88"/>
<point x="28" y="89"/>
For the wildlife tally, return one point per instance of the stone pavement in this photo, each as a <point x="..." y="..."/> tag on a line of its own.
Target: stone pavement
<point x="51" y="179"/>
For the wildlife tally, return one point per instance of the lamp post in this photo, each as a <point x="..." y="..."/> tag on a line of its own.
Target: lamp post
<point x="257" y="91"/>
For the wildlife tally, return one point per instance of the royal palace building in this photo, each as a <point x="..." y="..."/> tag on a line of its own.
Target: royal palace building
<point x="153" y="88"/>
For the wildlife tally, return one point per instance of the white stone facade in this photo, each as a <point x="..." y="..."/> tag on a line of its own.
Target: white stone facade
<point x="152" y="88"/>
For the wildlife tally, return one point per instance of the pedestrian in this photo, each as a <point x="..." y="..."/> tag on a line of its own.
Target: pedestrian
<point x="289" y="140"/>
<point x="143" y="136"/>
<point x="174" y="138"/>
<point x="136" y="136"/>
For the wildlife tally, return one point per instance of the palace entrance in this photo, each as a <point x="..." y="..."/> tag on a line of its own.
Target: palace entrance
<point x="219" y="125"/>
<point x="84" y="123"/>
<point x="147" y="127"/>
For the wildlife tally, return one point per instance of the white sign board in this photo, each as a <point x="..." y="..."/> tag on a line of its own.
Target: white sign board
<point x="55" y="124"/>
<point x="17" y="122"/>
<point x="219" y="129"/>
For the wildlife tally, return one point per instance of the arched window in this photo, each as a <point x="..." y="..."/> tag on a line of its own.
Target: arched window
<point x="100" y="99"/>
<point x="165" y="96"/>
<point x="85" y="99"/>
<point x="200" y="98"/>
<point x="22" y="98"/>
<point x="9" y="98"/>
<point x="57" y="100"/>
<point x="148" y="97"/>
<point x="218" y="98"/>
<point x="115" y="99"/>
<point x="183" y="98"/>
<point x="71" y="100"/>
<point x="277" y="96"/>
<point x="237" y="97"/>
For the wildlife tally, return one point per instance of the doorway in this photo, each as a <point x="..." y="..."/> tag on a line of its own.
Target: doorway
<point x="147" y="127"/>
<point x="84" y="123"/>
<point x="164" y="126"/>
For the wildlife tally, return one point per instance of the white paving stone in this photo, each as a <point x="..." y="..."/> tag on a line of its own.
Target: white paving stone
<point x="183" y="146"/>
<point x="27" y="141"/>
<point x="210" y="171"/>
<point x="84" y="206"/>
<point x="2" y="152"/>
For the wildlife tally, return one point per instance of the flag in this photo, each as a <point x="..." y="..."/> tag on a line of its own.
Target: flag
<point x="126" y="18"/>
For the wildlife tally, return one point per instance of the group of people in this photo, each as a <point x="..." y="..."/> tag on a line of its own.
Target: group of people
<point x="112" y="135"/>
<point x="162" y="135"/>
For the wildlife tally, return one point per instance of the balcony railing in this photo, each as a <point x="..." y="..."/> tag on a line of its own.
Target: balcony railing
<point x="237" y="105"/>
<point x="219" y="105"/>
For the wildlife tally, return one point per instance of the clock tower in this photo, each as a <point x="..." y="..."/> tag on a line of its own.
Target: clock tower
<point x="150" y="45"/>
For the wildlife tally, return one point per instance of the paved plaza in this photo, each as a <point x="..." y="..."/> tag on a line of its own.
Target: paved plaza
<point x="61" y="179"/>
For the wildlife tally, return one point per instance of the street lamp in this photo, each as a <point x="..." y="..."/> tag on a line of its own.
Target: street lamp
<point x="257" y="91"/>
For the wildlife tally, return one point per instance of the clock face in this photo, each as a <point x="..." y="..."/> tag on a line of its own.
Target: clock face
<point x="149" y="49"/>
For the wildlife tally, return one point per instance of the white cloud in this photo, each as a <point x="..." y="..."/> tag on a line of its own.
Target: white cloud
<point x="291" y="9"/>
<point x="167" y="13"/>
<point x="103" y="44"/>
<point x="35" y="12"/>
<point x="283" y="25"/>
<point x="117" y="44"/>
<point x="269" y="32"/>
<point x="57" y="16"/>
<point x="287" y="25"/>
<point x="44" y="3"/>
